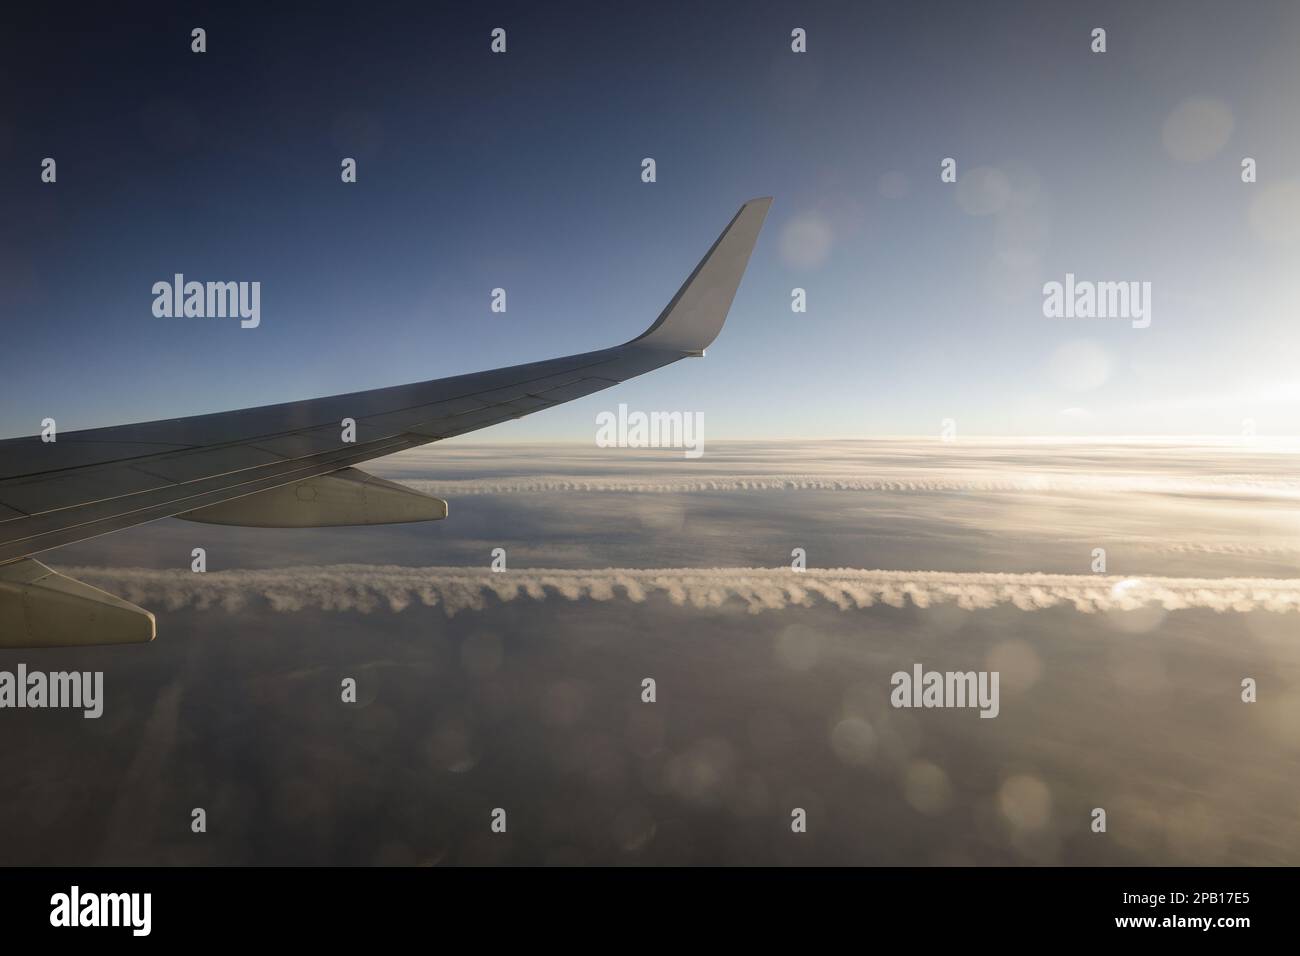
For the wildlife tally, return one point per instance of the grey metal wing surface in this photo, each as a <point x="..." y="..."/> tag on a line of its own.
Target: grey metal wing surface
<point x="235" y="467"/>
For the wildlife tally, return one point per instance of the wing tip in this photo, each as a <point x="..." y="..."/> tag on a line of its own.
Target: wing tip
<point x="691" y="322"/>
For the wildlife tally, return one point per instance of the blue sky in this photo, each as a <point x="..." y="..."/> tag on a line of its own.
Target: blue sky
<point x="522" y="171"/>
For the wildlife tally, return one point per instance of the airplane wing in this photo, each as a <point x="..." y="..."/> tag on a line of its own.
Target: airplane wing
<point x="289" y="464"/>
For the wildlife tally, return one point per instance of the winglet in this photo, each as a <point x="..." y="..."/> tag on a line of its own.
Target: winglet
<point x="695" y="315"/>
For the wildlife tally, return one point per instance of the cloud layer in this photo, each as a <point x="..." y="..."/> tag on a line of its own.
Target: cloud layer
<point x="369" y="588"/>
<point x="685" y="484"/>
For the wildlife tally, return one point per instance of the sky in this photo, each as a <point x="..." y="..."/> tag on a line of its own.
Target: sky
<point x="1123" y="587"/>
<point x="523" y="171"/>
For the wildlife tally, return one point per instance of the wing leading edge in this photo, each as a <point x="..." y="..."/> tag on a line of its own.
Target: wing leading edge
<point x="96" y="481"/>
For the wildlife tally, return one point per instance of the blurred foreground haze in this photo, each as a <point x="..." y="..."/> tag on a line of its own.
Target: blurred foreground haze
<point x="768" y="698"/>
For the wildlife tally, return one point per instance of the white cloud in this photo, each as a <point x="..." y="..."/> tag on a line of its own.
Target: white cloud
<point x="933" y="479"/>
<point x="369" y="588"/>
